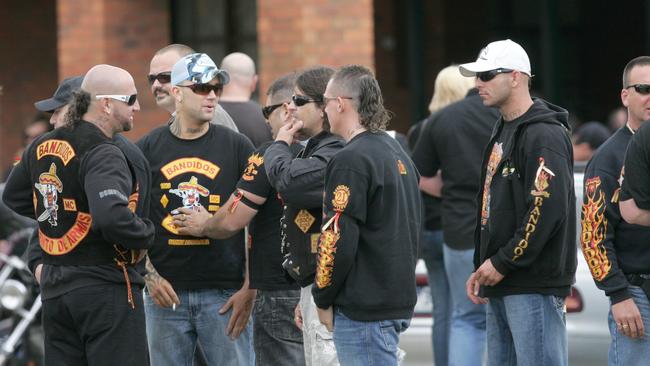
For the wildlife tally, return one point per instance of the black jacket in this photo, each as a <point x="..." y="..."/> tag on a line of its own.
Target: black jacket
<point x="529" y="233"/>
<point x="300" y="183"/>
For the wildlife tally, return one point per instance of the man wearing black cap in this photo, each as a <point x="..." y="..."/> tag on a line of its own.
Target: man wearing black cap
<point x="196" y="164"/>
<point x="58" y="103"/>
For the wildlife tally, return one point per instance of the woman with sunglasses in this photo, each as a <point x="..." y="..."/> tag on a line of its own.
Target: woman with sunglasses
<point x="300" y="183"/>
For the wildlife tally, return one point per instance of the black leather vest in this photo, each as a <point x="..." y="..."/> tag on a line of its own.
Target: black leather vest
<point x="61" y="206"/>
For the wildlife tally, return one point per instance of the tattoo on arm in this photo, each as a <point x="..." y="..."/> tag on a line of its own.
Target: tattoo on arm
<point x="152" y="276"/>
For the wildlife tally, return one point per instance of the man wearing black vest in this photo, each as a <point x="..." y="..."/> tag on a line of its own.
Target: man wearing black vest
<point x="84" y="199"/>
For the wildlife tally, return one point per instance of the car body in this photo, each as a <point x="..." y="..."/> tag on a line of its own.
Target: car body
<point x="586" y="320"/>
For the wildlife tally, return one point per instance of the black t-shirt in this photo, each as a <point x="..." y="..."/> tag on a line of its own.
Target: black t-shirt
<point x="191" y="173"/>
<point x="637" y="168"/>
<point x="249" y="120"/>
<point x="453" y="140"/>
<point x="265" y="256"/>
<point x="504" y="142"/>
<point x="372" y="202"/>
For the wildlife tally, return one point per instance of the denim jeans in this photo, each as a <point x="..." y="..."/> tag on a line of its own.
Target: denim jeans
<point x="276" y="338"/>
<point x="625" y="350"/>
<point x="318" y="343"/>
<point x="367" y="343"/>
<point x="467" y="329"/>
<point x="527" y="330"/>
<point x="173" y="334"/>
<point x="432" y="253"/>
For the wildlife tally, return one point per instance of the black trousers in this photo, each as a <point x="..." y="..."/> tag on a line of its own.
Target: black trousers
<point x="95" y="325"/>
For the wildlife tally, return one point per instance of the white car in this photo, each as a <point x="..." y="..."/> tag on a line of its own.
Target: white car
<point x="587" y="311"/>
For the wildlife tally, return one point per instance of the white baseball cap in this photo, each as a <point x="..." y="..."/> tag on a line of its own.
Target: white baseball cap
<point x="504" y="54"/>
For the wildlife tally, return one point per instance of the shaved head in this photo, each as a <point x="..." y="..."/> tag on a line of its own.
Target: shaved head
<point x="239" y="65"/>
<point x="107" y="79"/>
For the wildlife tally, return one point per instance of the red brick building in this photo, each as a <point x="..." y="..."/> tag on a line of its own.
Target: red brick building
<point x="577" y="48"/>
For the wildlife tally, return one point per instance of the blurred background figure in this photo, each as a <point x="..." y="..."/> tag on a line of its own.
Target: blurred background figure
<point x="587" y="138"/>
<point x="39" y="125"/>
<point x="236" y="98"/>
<point x="450" y="86"/>
<point x="617" y="118"/>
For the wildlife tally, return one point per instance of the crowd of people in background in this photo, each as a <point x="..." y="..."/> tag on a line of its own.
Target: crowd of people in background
<point x="288" y="233"/>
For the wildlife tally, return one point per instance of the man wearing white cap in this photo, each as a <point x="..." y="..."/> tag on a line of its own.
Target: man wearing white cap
<point x="196" y="165"/>
<point x="525" y="254"/>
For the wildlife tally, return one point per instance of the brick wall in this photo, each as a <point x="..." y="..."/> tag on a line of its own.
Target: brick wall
<point x="293" y="34"/>
<point x="27" y="68"/>
<point x="122" y="33"/>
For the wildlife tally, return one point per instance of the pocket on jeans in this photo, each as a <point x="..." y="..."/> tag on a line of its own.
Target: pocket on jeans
<point x="389" y="334"/>
<point x="284" y="326"/>
<point x="558" y="303"/>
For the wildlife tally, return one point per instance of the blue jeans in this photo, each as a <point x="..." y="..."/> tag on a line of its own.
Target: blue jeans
<point x="277" y="339"/>
<point x="625" y="350"/>
<point x="432" y="253"/>
<point x="367" y="343"/>
<point x="527" y="330"/>
<point x="467" y="330"/>
<point x="173" y="335"/>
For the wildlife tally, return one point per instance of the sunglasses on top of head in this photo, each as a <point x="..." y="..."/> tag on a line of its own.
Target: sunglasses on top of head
<point x="128" y="99"/>
<point x="204" y="89"/>
<point x="300" y="100"/>
<point x="489" y="75"/>
<point x="163" y="77"/>
<point x="643" y="89"/>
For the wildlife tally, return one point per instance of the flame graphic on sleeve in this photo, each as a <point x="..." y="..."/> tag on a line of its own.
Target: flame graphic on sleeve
<point x="594" y="230"/>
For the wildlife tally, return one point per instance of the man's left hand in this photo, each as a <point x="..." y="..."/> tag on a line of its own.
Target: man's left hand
<point x="241" y="303"/>
<point x="326" y="317"/>
<point x="191" y="222"/>
<point x="487" y="275"/>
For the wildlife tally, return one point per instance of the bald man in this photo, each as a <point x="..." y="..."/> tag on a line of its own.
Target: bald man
<point x="236" y="98"/>
<point x="84" y="198"/>
<point x="160" y="70"/>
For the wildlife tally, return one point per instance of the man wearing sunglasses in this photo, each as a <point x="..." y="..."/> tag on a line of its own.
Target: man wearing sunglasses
<point x="90" y="238"/>
<point x="299" y="181"/>
<point x="525" y="255"/>
<point x="614" y="247"/>
<point x="201" y="290"/>
<point x="277" y="340"/>
<point x="159" y="78"/>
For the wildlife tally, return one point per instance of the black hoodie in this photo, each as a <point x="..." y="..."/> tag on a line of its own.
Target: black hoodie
<point x="526" y="219"/>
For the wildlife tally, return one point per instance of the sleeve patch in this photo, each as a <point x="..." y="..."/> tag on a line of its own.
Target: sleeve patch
<point x="341" y="198"/>
<point x="326" y="251"/>
<point x="542" y="178"/>
<point x="594" y="230"/>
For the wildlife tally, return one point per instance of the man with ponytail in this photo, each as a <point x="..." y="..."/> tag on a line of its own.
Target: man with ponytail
<point x="85" y="195"/>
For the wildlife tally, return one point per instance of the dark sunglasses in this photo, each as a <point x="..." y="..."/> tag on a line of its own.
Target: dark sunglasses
<point x="163" y="78"/>
<point x="128" y="99"/>
<point x="643" y="89"/>
<point x="489" y="75"/>
<point x="205" y="89"/>
<point x="300" y="100"/>
<point x="266" y="111"/>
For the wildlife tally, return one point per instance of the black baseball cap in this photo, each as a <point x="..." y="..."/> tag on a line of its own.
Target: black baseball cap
<point x="62" y="95"/>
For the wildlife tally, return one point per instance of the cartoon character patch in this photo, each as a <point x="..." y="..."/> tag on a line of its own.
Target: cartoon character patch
<point x="594" y="230"/>
<point x="542" y="178"/>
<point x="191" y="192"/>
<point x="254" y="162"/>
<point x="49" y="185"/>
